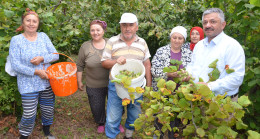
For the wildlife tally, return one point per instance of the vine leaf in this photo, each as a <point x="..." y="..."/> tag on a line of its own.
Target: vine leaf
<point x="213" y="64"/>
<point x="200" y="132"/>
<point x="139" y="90"/>
<point x="170" y="85"/>
<point x="241" y="125"/>
<point x="204" y="90"/>
<point x="161" y="83"/>
<point x="243" y="101"/>
<point x="253" y="134"/>
<point x="131" y="89"/>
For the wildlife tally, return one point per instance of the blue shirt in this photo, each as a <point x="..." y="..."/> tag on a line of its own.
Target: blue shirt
<point x="228" y="52"/>
<point x="21" y="51"/>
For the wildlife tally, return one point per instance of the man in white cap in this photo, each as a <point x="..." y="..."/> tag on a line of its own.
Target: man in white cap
<point x="126" y="45"/>
<point x="218" y="45"/>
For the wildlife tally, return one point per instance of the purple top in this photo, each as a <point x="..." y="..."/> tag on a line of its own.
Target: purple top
<point x="176" y="56"/>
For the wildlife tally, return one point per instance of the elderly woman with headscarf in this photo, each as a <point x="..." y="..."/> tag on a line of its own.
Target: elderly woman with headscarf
<point x="31" y="53"/>
<point x="97" y="79"/>
<point x="173" y="50"/>
<point x="196" y="34"/>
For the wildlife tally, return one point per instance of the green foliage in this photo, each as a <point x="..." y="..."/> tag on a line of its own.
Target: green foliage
<point x="66" y="22"/>
<point x="10" y="100"/>
<point x="202" y="113"/>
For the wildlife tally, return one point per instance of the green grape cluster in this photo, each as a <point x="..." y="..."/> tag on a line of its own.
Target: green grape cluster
<point x="130" y="74"/>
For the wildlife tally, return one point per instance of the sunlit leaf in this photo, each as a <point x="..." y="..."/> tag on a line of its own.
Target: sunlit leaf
<point x="204" y="90"/>
<point x="200" y="132"/>
<point x="222" y="130"/>
<point x="161" y="83"/>
<point x="253" y="134"/>
<point x="213" y="64"/>
<point x="244" y="101"/>
<point x="170" y="85"/>
<point x="241" y="125"/>
<point x="131" y="89"/>
<point x="239" y="114"/>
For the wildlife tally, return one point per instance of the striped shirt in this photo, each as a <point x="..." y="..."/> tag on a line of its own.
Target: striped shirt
<point x="116" y="47"/>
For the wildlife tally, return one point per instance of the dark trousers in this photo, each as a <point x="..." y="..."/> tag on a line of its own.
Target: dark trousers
<point x="97" y="101"/>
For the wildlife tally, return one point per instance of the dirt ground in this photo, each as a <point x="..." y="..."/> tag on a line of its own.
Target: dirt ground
<point x="73" y="120"/>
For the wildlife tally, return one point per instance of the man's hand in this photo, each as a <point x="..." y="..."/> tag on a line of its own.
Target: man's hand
<point x="37" y="60"/>
<point x="121" y="60"/>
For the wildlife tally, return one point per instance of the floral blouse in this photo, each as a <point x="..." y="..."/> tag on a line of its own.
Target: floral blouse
<point x="21" y="51"/>
<point x="162" y="59"/>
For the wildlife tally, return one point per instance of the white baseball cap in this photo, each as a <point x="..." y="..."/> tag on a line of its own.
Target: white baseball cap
<point x="128" y="18"/>
<point x="181" y="30"/>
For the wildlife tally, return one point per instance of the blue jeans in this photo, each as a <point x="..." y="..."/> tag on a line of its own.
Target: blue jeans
<point x="114" y="112"/>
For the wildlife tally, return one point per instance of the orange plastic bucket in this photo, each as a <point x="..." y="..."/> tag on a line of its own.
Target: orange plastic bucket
<point x="62" y="77"/>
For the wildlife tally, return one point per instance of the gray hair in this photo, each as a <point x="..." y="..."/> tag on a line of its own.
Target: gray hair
<point x="214" y="10"/>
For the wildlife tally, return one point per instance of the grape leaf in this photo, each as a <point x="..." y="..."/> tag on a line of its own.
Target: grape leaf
<point x="204" y="90"/>
<point x="239" y="114"/>
<point x="139" y="90"/>
<point x="253" y="134"/>
<point x="243" y="101"/>
<point x="230" y="71"/>
<point x="241" y="125"/>
<point x="200" y="79"/>
<point x="220" y="114"/>
<point x="188" y="130"/>
<point x="176" y="109"/>
<point x="131" y="89"/>
<point x="170" y="85"/>
<point x="213" y="107"/>
<point x="161" y="83"/>
<point x="166" y="69"/>
<point x="116" y="81"/>
<point x="200" y="132"/>
<point x="183" y="103"/>
<point x="173" y="68"/>
<point x="222" y="130"/>
<point x="173" y="61"/>
<point x="188" y="96"/>
<point x="213" y="64"/>
<point x="155" y="94"/>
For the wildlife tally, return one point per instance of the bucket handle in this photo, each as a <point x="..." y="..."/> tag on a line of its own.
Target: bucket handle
<point x="51" y="77"/>
<point x="66" y="56"/>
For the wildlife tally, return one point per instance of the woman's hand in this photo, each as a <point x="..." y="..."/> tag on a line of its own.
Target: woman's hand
<point x="121" y="60"/>
<point x="41" y="73"/>
<point x="37" y="60"/>
<point x="81" y="86"/>
<point x="172" y="74"/>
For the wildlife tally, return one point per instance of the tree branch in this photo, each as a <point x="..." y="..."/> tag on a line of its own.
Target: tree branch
<point x="192" y="116"/>
<point x="56" y="6"/>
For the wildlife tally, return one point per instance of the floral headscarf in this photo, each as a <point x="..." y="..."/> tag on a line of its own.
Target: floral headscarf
<point x="103" y="24"/>
<point x="27" y="12"/>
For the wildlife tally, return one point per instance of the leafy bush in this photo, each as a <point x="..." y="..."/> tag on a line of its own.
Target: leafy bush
<point x="66" y="22"/>
<point x="203" y="115"/>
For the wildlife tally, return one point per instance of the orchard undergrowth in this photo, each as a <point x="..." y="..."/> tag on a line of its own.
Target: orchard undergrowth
<point x="202" y="113"/>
